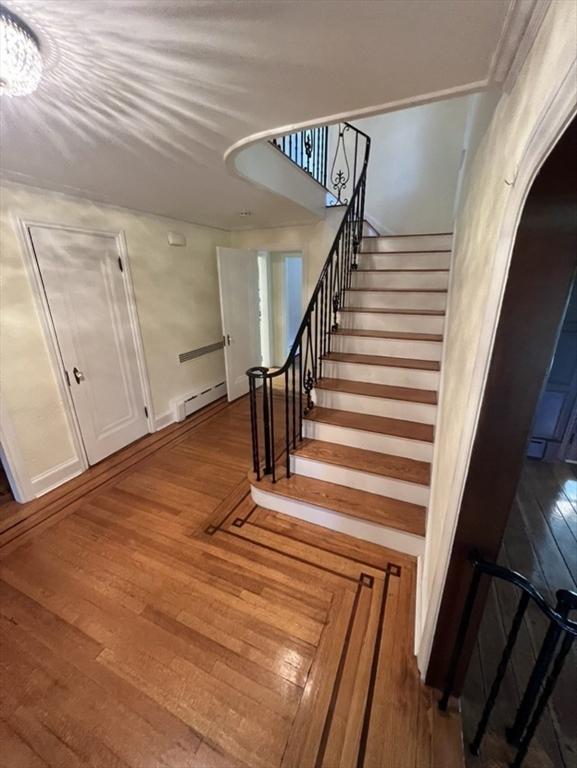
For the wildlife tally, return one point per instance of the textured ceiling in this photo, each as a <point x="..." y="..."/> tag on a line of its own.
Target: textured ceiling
<point x="141" y="98"/>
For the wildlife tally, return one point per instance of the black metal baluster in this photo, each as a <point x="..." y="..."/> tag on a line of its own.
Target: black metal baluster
<point x="301" y="390"/>
<point x="266" y="423"/>
<point x="322" y="330"/>
<point x="563" y="606"/>
<point x="272" y="445"/>
<point x="325" y="155"/>
<point x="500" y="674"/>
<point x="293" y="367"/>
<point x="316" y="339"/>
<point x="334" y="289"/>
<point x="287" y="425"/>
<point x="543" y="699"/>
<point x="355" y="160"/>
<point x="254" y="427"/>
<point x="460" y="639"/>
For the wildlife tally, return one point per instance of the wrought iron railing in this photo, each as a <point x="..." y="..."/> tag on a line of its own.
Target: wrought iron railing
<point x="289" y="389"/>
<point x="332" y="155"/>
<point x="308" y="149"/>
<point x="556" y="645"/>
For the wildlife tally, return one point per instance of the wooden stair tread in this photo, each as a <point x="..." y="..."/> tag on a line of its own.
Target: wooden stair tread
<point x="378" y="390"/>
<point x="411" y="430"/>
<point x="391" y="362"/>
<point x="401" y="335"/>
<point x="397" y="290"/>
<point x="396" y="269"/>
<point x="395" y="311"/>
<point x="361" y="460"/>
<point x="408" y="234"/>
<point x="410" y="253"/>
<point x="362" y="505"/>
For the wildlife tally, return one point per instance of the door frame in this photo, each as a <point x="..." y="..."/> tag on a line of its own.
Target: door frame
<point x="292" y="255"/>
<point x="17" y="470"/>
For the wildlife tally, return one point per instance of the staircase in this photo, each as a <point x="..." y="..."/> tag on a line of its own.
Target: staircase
<point x="363" y="465"/>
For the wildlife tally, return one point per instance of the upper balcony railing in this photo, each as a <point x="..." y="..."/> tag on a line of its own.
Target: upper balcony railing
<point x="332" y="155"/>
<point x="308" y="149"/>
<point x="280" y="398"/>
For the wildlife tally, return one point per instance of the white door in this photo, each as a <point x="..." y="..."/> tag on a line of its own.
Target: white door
<point x="239" y="309"/>
<point x="87" y="295"/>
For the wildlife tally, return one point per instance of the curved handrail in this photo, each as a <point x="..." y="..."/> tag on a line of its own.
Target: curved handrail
<point x="312" y="341"/>
<point x="516" y="578"/>
<point x="547" y="667"/>
<point x="293" y="350"/>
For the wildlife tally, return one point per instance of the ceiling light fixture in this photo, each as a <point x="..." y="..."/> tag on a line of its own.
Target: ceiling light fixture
<point x="20" y="59"/>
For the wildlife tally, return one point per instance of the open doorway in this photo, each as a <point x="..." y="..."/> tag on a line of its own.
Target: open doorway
<point x="261" y="303"/>
<point x="281" y="301"/>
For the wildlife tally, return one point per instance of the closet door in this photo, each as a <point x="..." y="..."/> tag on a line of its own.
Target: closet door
<point x="85" y="287"/>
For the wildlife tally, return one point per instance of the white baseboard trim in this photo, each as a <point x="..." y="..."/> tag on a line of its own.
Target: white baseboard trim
<point x="52" y="478"/>
<point x="400" y="541"/>
<point x="162" y="421"/>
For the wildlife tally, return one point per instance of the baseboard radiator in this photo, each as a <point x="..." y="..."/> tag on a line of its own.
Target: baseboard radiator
<point x="187" y="404"/>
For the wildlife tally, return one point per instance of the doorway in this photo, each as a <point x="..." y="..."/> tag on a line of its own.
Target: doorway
<point x="89" y="307"/>
<point x="261" y="301"/>
<point x="284" y="302"/>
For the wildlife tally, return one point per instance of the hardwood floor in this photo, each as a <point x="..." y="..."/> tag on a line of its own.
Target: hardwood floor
<point x="159" y="618"/>
<point x="541" y="543"/>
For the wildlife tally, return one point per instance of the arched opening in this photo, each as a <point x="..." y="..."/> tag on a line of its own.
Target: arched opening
<point x="540" y="279"/>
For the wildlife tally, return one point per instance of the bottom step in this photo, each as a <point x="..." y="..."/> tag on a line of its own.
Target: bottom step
<point x="388" y="522"/>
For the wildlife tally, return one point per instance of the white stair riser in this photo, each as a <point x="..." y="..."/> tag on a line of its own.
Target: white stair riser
<point x="408" y="243"/>
<point x="369" y="441"/>
<point x="367" y="345"/>
<point x="401" y="280"/>
<point x="400" y="541"/>
<point x="423" y="260"/>
<point x="381" y="374"/>
<point x="395" y="300"/>
<point x="362" y="481"/>
<point x="377" y="406"/>
<point x="374" y="321"/>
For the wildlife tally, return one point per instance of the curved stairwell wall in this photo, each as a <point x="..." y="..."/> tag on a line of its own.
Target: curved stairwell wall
<point x="267" y="167"/>
<point x="527" y="121"/>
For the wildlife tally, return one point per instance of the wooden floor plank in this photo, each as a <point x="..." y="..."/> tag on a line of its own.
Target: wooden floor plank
<point x="152" y="615"/>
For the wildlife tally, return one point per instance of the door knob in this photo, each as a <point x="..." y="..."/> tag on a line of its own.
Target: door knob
<point x="78" y="375"/>
<point x="228" y="339"/>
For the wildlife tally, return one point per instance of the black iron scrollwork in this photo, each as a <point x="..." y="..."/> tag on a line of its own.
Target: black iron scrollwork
<point x="308" y="385"/>
<point x="336" y="307"/>
<point x="341" y="177"/>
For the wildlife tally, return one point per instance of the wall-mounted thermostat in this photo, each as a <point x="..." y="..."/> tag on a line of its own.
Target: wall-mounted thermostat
<point x="175" y="238"/>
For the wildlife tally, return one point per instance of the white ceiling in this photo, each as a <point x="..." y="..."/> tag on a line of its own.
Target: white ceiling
<point x="142" y="98"/>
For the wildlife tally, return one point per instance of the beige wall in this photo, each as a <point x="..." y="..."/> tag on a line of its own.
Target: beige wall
<point x="314" y="240"/>
<point x="414" y="166"/>
<point x="484" y="235"/>
<point x="176" y="292"/>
